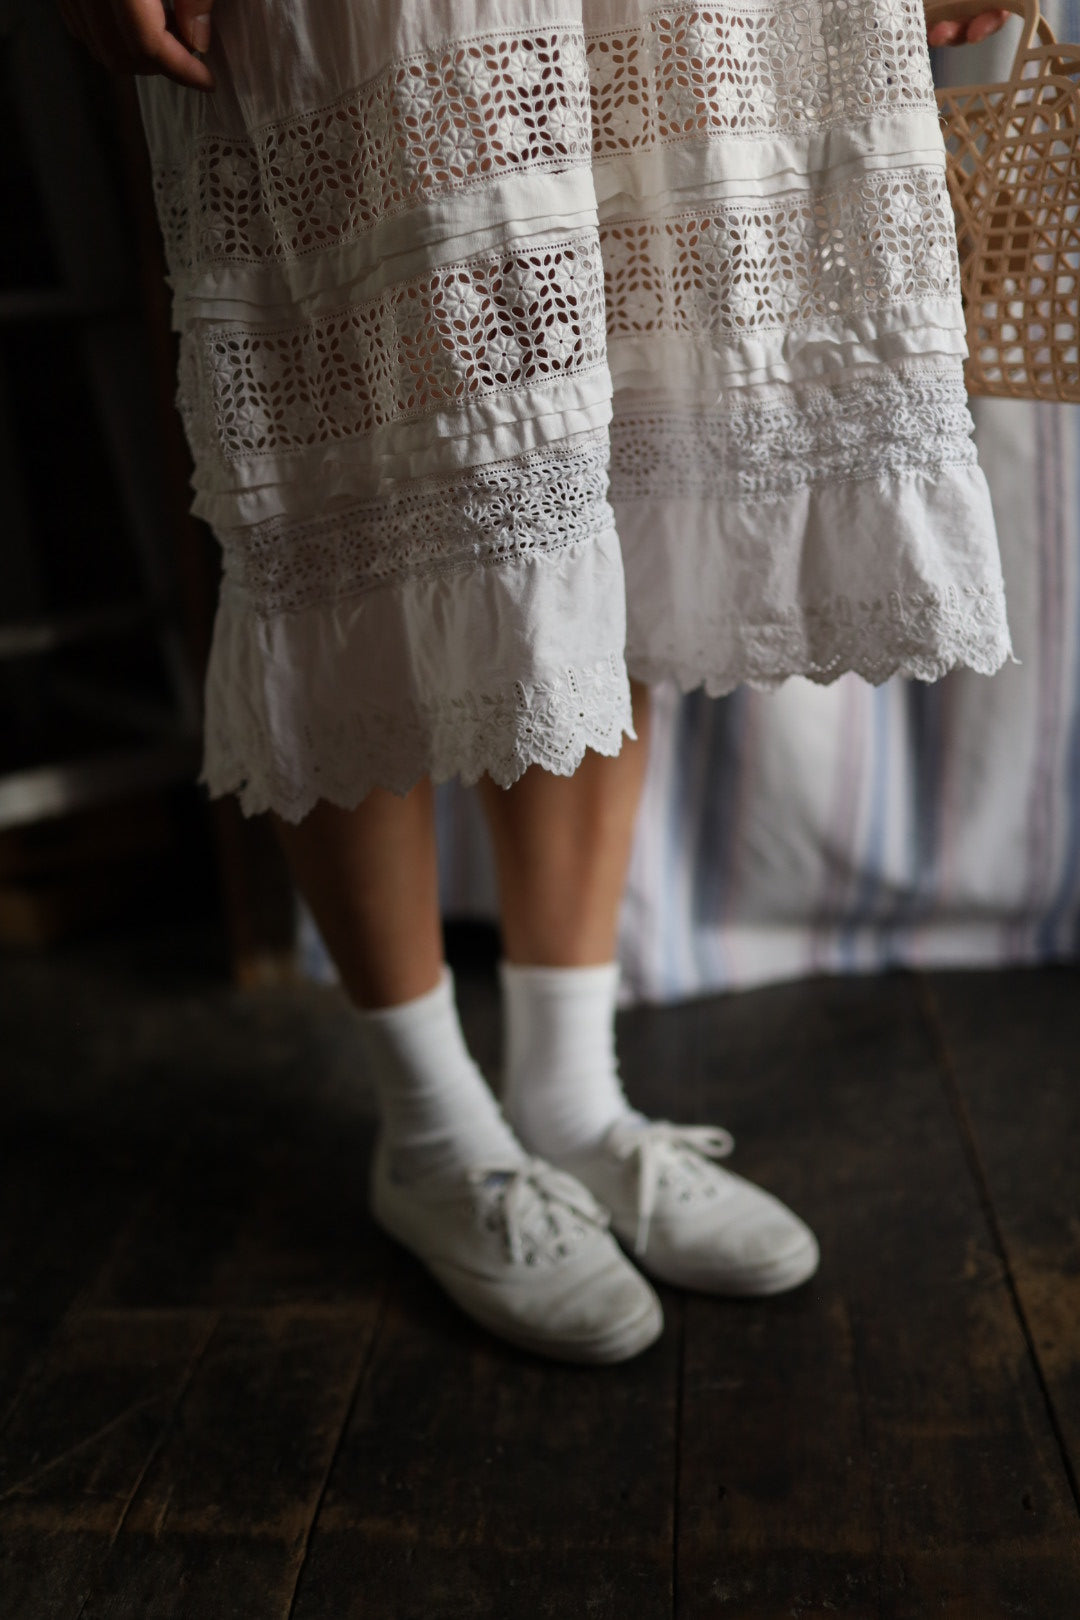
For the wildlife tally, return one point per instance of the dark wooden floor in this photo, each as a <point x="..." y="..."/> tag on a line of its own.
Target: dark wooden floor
<point x="224" y="1394"/>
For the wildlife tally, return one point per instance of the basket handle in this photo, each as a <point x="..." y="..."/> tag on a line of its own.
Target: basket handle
<point x="1034" y="21"/>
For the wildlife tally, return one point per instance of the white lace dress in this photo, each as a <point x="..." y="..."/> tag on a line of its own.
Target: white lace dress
<point x="525" y="344"/>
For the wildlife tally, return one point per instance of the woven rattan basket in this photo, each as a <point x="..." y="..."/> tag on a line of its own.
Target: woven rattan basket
<point x="1013" y="169"/>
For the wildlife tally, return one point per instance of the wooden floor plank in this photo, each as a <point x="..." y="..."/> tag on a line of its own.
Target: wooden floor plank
<point x="263" y="1199"/>
<point x="76" y="1446"/>
<point x="220" y="1521"/>
<point x="880" y="1439"/>
<point x="63" y="1199"/>
<point x="1012" y="1048"/>
<point x="877" y="1444"/>
<point x="237" y="1132"/>
<point x="478" y="1482"/>
<point x="475" y="1481"/>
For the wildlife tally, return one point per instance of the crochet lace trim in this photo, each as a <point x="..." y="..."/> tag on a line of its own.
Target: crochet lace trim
<point x="911" y="418"/>
<point x="541" y="502"/>
<point x="500" y="324"/>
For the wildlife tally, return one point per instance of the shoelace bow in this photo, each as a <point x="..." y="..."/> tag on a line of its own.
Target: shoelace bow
<point x="522" y="1187"/>
<point x="653" y="1143"/>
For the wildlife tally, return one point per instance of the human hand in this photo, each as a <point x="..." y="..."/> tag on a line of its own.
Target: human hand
<point x="967" y="30"/>
<point x="140" y="36"/>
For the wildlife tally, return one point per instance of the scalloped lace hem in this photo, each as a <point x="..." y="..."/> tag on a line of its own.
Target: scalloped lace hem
<point x="498" y="734"/>
<point x="874" y="661"/>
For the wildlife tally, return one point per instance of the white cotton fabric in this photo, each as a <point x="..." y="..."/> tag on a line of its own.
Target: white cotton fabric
<point x="522" y="347"/>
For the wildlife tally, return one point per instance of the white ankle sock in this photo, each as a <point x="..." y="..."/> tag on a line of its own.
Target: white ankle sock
<point x="561" y="1086"/>
<point x="438" y="1113"/>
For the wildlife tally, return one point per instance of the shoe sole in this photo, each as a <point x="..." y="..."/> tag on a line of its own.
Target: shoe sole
<point x="771" y="1277"/>
<point x="621" y="1343"/>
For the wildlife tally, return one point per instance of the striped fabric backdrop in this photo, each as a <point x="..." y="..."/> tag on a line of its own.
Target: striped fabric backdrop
<point x="850" y="828"/>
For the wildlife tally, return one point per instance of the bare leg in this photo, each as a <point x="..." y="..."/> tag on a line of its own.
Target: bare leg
<point x="449" y="1180"/>
<point x="562" y="846"/>
<point x="371" y="880"/>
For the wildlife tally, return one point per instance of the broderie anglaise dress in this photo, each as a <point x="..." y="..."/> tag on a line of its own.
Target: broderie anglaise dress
<point x="527" y="345"/>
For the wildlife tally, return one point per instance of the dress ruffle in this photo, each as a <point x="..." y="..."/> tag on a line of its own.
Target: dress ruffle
<point x="517" y="357"/>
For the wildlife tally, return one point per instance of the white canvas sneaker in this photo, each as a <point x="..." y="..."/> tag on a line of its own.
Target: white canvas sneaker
<point x="525" y="1251"/>
<point x="688" y="1222"/>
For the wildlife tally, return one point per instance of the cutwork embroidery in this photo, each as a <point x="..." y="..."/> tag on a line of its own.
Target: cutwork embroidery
<point x="449" y="119"/>
<point x="509" y="510"/>
<point x="342" y="757"/>
<point x="912" y="419"/>
<point x="488" y="324"/>
<point x="691" y="72"/>
<point x="879" y="239"/>
<point x="918" y="634"/>
<point x="427" y="125"/>
<point x="495" y="324"/>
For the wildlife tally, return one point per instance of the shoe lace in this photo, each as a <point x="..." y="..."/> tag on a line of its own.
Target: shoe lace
<point x="661" y="1148"/>
<point x="537" y="1207"/>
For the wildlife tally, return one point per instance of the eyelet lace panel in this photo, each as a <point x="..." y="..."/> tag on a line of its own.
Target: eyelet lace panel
<point x="471" y="110"/>
<point x="687" y="72"/>
<point x="869" y="241"/>
<point x="543" y="1214"/>
<point x="494" y="326"/>
<point x="341" y="756"/>
<point x="913" y="417"/>
<point x="542" y="502"/>
<point x="484" y="326"/>
<point x="437" y="122"/>
<point x="669" y="1160"/>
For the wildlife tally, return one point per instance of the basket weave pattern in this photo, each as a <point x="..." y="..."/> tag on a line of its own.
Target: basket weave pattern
<point x="1013" y="170"/>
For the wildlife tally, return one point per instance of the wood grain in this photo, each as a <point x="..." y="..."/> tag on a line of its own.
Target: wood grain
<point x="881" y="1437"/>
<point x="219" y="1523"/>
<point x="1011" y="1047"/>
<point x="478" y="1481"/>
<point x="223" y="1392"/>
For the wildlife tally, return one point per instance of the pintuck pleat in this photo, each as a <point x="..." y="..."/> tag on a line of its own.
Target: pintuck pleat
<point x="518" y="359"/>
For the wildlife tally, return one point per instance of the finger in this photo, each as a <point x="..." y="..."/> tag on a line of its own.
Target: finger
<point x="193" y="23"/>
<point x="946" y="32"/>
<point x="158" y="51"/>
<point x="985" y="24"/>
<point x="174" y="61"/>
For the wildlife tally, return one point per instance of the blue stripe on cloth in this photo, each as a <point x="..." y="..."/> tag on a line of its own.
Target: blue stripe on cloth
<point x="914" y="899"/>
<point x="871" y="856"/>
<point x="1056" y="933"/>
<point x="676" y="940"/>
<point x="839" y="827"/>
<point x="927" y="706"/>
<point x="1046" y="662"/>
<point x="718" y="825"/>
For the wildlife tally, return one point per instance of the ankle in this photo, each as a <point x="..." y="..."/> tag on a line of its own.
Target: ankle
<point x="439" y="1116"/>
<point x="561" y="1086"/>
